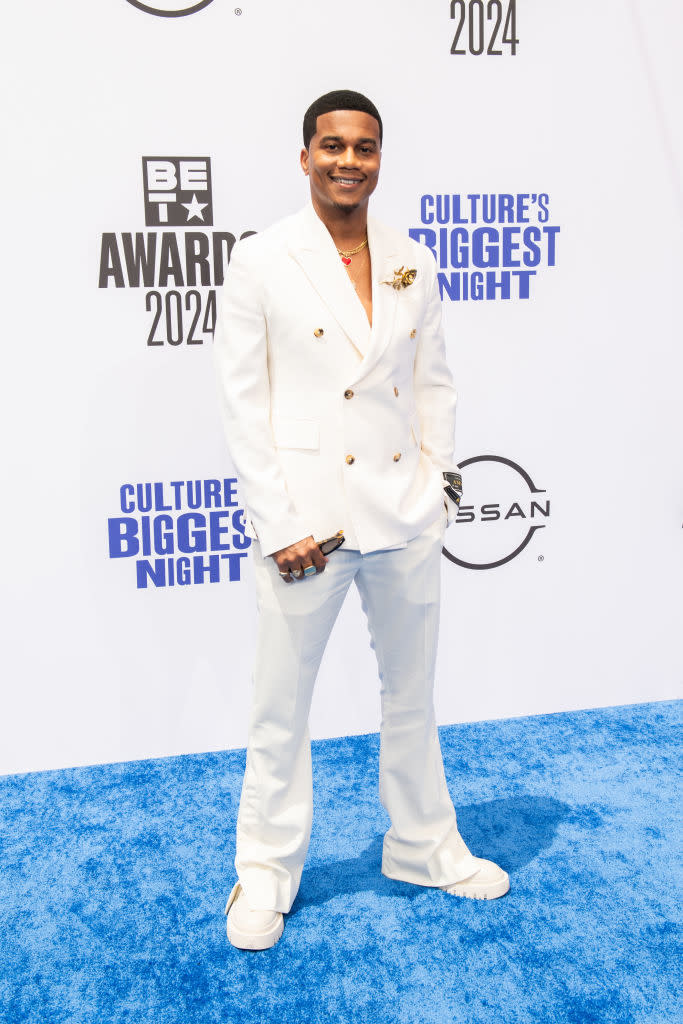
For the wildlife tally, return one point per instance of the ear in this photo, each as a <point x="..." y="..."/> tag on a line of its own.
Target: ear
<point x="304" y="160"/>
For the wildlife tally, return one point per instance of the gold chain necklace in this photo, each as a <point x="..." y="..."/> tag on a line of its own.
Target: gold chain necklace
<point x="354" y="281"/>
<point x="348" y="253"/>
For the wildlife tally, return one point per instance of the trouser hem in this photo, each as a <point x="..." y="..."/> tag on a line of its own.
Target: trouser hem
<point x="450" y="861"/>
<point x="455" y="873"/>
<point x="263" y="893"/>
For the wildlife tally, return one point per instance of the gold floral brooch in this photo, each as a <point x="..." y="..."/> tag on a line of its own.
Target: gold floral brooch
<point x="402" y="278"/>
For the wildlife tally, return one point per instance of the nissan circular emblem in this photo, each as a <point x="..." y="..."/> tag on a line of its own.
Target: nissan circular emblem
<point x="171" y="8"/>
<point x="501" y="511"/>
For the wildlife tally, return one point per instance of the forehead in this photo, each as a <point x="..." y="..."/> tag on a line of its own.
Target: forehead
<point x="348" y="124"/>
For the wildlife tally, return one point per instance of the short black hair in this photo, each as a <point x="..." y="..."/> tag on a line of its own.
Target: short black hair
<point x="339" y="99"/>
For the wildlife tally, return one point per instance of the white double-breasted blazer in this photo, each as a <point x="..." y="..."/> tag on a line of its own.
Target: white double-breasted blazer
<point x="332" y="424"/>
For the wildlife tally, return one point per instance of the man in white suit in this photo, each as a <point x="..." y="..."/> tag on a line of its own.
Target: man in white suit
<point x="339" y="410"/>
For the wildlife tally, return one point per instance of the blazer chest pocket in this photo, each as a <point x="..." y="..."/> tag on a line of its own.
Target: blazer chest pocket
<point x="293" y="433"/>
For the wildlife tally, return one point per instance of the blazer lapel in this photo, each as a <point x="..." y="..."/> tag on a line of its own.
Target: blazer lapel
<point x="385" y="259"/>
<point x="317" y="256"/>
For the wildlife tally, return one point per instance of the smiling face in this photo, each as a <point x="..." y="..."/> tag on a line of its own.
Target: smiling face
<point x="342" y="160"/>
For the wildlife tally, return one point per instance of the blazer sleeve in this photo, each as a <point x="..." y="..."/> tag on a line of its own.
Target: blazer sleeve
<point x="435" y="394"/>
<point x="241" y="362"/>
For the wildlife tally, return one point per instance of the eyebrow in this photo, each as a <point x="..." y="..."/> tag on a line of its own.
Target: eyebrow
<point x="338" y="138"/>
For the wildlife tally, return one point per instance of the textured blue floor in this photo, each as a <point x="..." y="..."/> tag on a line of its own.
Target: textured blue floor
<point x="113" y="881"/>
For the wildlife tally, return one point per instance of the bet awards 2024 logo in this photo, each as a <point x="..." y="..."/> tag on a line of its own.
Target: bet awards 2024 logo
<point x="178" y="263"/>
<point x="171" y="186"/>
<point x="171" y="8"/>
<point x="495" y="36"/>
<point x="488" y="245"/>
<point x="504" y="511"/>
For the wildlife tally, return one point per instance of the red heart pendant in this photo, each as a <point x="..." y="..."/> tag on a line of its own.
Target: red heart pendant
<point x="346" y="260"/>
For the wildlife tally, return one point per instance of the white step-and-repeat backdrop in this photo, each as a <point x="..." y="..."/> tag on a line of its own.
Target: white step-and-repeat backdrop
<point x="535" y="147"/>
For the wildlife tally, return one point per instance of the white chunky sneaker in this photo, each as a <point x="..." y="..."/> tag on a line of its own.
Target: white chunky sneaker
<point x="487" y="883"/>
<point x="251" y="929"/>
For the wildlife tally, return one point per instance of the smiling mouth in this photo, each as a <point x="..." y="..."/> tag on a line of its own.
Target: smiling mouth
<point x="346" y="182"/>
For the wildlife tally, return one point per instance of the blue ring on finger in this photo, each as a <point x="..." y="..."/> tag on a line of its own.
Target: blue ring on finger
<point x="310" y="570"/>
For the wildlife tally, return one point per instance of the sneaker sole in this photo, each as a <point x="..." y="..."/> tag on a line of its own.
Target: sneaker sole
<point x="255" y="940"/>
<point x="489" y="891"/>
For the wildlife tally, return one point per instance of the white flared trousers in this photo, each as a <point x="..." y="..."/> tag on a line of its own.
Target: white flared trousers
<point x="400" y="594"/>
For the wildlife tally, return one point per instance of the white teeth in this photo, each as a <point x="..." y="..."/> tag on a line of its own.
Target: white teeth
<point x="347" y="181"/>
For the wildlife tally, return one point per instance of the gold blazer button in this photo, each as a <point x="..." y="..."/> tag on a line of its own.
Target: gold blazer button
<point x="413" y="333"/>
<point x="396" y="391"/>
<point x="348" y="393"/>
<point x="397" y="456"/>
<point x="350" y="459"/>
<point x="318" y="332"/>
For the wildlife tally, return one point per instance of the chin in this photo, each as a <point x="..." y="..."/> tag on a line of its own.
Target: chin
<point x="345" y="207"/>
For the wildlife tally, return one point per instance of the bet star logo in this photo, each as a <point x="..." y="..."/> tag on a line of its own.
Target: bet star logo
<point x="177" y="191"/>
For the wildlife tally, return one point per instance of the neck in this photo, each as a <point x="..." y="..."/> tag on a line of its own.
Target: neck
<point x="347" y="227"/>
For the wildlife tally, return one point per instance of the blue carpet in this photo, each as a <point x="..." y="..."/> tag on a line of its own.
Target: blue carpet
<point x="114" y="879"/>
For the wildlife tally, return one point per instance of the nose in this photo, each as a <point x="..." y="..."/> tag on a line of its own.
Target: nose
<point x="348" y="158"/>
